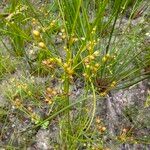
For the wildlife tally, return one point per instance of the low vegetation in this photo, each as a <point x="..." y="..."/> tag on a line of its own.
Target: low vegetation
<point x="50" y="50"/>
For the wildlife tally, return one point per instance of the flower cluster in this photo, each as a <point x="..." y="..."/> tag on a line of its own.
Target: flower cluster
<point x="90" y="45"/>
<point x="50" y="94"/>
<point x="63" y="34"/>
<point x="90" y="65"/>
<point x="17" y="103"/>
<point x="99" y="124"/>
<point x="49" y="63"/>
<point x="68" y="69"/>
<point x="107" y="58"/>
<point x="38" y="37"/>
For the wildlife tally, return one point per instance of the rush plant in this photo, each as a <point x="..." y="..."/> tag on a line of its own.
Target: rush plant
<point x="71" y="40"/>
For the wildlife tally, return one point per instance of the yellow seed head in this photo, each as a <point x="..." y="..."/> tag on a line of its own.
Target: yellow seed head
<point x="113" y="84"/>
<point x="54" y="92"/>
<point x="17" y="103"/>
<point x="85" y="75"/>
<point x="48" y="100"/>
<point x="44" y="62"/>
<point x="89" y="47"/>
<point x="52" y="24"/>
<point x="87" y="66"/>
<point x="34" y="22"/>
<point x="74" y="39"/>
<point x="66" y="65"/>
<point x="94" y="42"/>
<point x="42" y="45"/>
<point x="59" y="60"/>
<point x="70" y="61"/>
<point x="36" y="33"/>
<point x="51" y="59"/>
<point x="135" y="142"/>
<point x="97" y="65"/>
<point x="107" y="56"/>
<point x="86" y="60"/>
<point x="110" y="72"/>
<point x="96" y="53"/>
<point x="30" y="109"/>
<point x="63" y="30"/>
<point x="34" y="117"/>
<point x="91" y="57"/>
<point x="103" y="94"/>
<point x="70" y="71"/>
<point x="33" y="19"/>
<point x="29" y="93"/>
<point x="49" y="90"/>
<point x="98" y="120"/>
<point x="83" y="38"/>
<point x="63" y="36"/>
<point x="104" y="59"/>
<point x="94" y="69"/>
<point x="94" y="29"/>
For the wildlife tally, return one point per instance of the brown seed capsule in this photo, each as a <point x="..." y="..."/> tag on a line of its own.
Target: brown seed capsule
<point x="54" y="92"/>
<point x="49" y="90"/>
<point x="103" y="129"/>
<point x="48" y="100"/>
<point x="30" y="109"/>
<point x="17" y="103"/>
<point x="98" y="120"/>
<point x="125" y="130"/>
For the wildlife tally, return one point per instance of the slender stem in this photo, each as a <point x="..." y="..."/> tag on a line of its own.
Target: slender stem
<point x="88" y="124"/>
<point x="67" y="102"/>
<point x="56" y="114"/>
<point x="110" y="37"/>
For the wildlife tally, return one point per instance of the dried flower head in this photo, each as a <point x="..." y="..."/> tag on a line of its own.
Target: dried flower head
<point x="17" y="103"/>
<point x="48" y="100"/>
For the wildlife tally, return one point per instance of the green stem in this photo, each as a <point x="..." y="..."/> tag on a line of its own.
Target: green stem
<point x="56" y="114"/>
<point x="67" y="102"/>
<point x="88" y="124"/>
<point x="111" y="34"/>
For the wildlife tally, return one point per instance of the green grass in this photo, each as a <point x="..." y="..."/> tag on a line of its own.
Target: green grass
<point x="64" y="41"/>
<point x="7" y="65"/>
